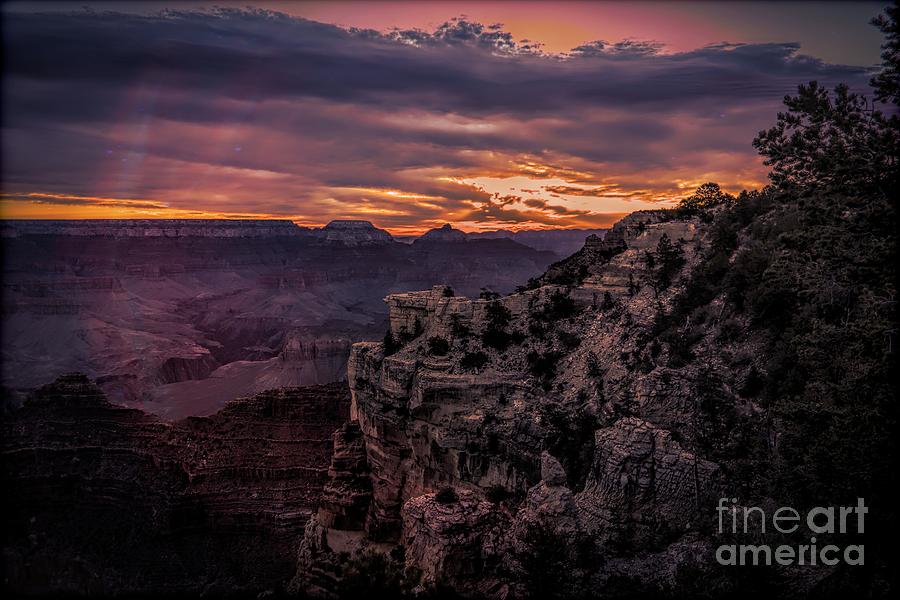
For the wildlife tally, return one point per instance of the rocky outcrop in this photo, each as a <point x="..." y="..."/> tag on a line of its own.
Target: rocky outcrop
<point x="347" y="494"/>
<point x="633" y="225"/>
<point x="443" y="234"/>
<point x="354" y="233"/>
<point x="453" y="538"/>
<point x="550" y="435"/>
<point x="426" y="428"/>
<point x="185" y="368"/>
<point x="429" y="422"/>
<point x="643" y="480"/>
<point x="107" y="500"/>
<point x="299" y="348"/>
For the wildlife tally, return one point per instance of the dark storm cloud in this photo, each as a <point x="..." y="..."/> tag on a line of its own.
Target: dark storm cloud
<point x="253" y="55"/>
<point x="101" y="103"/>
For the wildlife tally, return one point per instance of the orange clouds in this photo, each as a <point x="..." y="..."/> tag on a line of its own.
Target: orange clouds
<point x="247" y="113"/>
<point x="37" y="205"/>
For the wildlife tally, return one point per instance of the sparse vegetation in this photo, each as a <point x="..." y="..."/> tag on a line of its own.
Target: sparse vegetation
<point x="458" y="329"/>
<point x="568" y="340"/>
<point x="542" y="366"/>
<point x="663" y="264"/>
<point x="391" y="345"/>
<point x="447" y="495"/>
<point x="495" y="334"/>
<point x="558" y="306"/>
<point x="474" y="360"/>
<point x="438" y="346"/>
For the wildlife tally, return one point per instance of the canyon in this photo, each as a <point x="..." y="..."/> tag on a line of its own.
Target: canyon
<point x="466" y="458"/>
<point x="457" y="462"/>
<point x="103" y="499"/>
<point x="571" y="436"/>
<point x="177" y="317"/>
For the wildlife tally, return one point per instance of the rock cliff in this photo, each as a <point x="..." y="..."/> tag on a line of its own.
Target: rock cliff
<point x="354" y="233"/>
<point x="179" y="316"/>
<point x="496" y="413"/>
<point x="546" y="437"/>
<point x="107" y="500"/>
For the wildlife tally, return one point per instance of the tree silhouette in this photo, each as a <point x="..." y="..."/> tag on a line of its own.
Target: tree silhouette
<point x="887" y="83"/>
<point x="709" y="195"/>
<point x="831" y="142"/>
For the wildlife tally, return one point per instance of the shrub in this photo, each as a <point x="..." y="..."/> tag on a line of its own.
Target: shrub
<point x="496" y="494"/>
<point x="753" y="383"/>
<point x="560" y="306"/>
<point x="557" y="307"/>
<point x="391" y="345"/>
<point x="543" y="365"/>
<point x="593" y="367"/>
<point x="497" y="315"/>
<point x="495" y="335"/>
<point x="473" y="360"/>
<point x="438" y="346"/>
<point x="497" y="339"/>
<point x="569" y="341"/>
<point x="447" y="495"/>
<point x="536" y="329"/>
<point x="458" y="329"/>
<point x="633" y="287"/>
<point x="448" y="292"/>
<point x="608" y="301"/>
<point x="532" y="284"/>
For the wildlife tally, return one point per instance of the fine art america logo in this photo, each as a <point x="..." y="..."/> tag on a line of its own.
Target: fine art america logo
<point x="828" y="521"/>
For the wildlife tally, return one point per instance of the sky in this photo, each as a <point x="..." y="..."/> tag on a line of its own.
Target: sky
<point x="517" y="115"/>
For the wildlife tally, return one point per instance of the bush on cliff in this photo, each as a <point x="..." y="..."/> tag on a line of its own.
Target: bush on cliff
<point x="474" y="360"/>
<point x="391" y="345"/>
<point x="495" y="335"/>
<point x="438" y="346"/>
<point x="447" y="495"/>
<point x="706" y="198"/>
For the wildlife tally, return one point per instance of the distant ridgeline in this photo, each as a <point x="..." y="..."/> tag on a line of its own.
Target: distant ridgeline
<point x="353" y="232"/>
<point x="361" y="231"/>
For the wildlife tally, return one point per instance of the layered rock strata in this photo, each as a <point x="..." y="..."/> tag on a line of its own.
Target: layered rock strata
<point x="107" y="500"/>
<point x="526" y="421"/>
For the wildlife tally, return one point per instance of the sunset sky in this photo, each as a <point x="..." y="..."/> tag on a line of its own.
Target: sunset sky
<point x="410" y="115"/>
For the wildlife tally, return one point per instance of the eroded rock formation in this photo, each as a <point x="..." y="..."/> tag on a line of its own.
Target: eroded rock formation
<point x="177" y="317"/>
<point x="101" y="499"/>
<point x="502" y="423"/>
